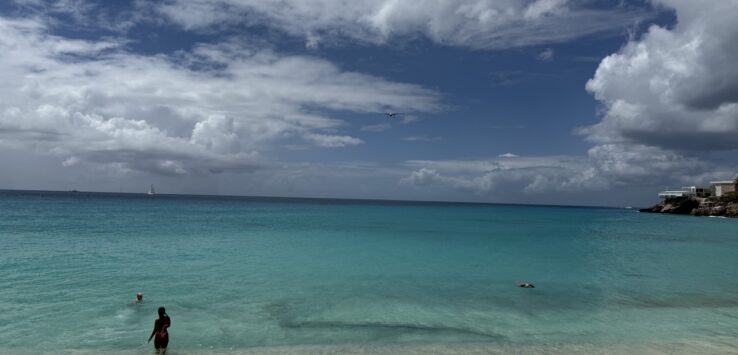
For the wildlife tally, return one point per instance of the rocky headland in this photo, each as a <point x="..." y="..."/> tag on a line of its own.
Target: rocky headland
<point x="696" y="207"/>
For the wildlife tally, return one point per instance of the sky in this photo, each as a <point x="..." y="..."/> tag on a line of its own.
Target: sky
<point x="569" y="102"/>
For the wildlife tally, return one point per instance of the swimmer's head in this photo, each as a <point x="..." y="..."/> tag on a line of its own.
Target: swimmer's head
<point x="139" y="296"/>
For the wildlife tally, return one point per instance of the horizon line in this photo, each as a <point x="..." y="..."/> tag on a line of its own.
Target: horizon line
<point x="347" y="199"/>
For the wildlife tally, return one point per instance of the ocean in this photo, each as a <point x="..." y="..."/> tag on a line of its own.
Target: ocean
<point x="270" y="275"/>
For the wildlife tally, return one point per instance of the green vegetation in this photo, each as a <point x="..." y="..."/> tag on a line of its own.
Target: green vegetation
<point x="729" y="197"/>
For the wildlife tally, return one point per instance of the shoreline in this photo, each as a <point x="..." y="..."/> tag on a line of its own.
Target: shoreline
<point x="719" y="346"/>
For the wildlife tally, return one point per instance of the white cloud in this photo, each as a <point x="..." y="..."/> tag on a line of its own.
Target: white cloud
<point x="508" y="155"/>
<point x="628" y="165"/>
<point x="527" y="174"/>
<point x="604" y="168"/>
<point x="312" y="41"/>
<point x="540" y="8"/>
<point x="477" y="24"/>
<point x="423" y="176"/>
<point x="332" y="141"/>
<point x="674" y="88"/>
<point x="217" y="133"/>
<point x="547" y="55"/>
<point x="83" y="13"/>
<point x="213" y="109"/>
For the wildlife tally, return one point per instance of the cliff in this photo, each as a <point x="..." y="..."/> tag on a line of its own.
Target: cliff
<point x="696" y="207"/>
<point x="677" y="205"/>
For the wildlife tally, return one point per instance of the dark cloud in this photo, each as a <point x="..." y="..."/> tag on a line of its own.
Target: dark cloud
<point x="718" y="92"/>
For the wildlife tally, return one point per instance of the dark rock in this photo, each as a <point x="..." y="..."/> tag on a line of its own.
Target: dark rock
<point x="731" y="210"/>
<point x="678" y="205"/>
<point x="652" y="209"/>
<point x="691" y="206"/>
<point x="717" y="211"/>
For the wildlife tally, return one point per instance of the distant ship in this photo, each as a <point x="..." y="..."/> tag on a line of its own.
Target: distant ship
<point x="151" y="190"/>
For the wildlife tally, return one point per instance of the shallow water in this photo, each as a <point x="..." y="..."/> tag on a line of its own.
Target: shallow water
<point x="276" y="275"/>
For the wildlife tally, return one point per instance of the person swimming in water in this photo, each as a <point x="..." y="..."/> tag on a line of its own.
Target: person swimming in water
<point x="525" y="284"/>
<point x="160" y="333"/>
<point x="139" y="298"/>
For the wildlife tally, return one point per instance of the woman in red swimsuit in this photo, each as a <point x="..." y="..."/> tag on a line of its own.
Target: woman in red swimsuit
<point x="160" y="331"/>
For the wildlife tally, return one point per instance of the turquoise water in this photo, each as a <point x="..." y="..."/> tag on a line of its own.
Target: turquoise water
<point x="240" y="275"/>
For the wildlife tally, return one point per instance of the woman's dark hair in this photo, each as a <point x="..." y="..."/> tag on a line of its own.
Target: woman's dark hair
<point x="162" y="311"/>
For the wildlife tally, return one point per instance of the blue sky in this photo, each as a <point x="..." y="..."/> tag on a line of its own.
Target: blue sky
<point x="537" y="101"/>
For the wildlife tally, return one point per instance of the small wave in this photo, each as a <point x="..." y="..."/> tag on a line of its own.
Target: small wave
<point x="124" y="314"/>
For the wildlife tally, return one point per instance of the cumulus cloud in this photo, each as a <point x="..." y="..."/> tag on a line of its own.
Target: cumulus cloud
<point x="673" y="88"/>
<point x="632" y="165"/>
<point x="214" y="108"/>
<point x="424" y="176"/>
<point x="217" y="133"/>
<point x="477" y="24"/>
<point x="527" y="174"/>
<point x="508" y="155"/>
<point x="605" y="167"/>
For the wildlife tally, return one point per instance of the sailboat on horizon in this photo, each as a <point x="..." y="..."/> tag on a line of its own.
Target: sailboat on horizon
<point x="151" y="190"/>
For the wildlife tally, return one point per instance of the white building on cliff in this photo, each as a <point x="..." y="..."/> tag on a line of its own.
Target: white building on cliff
<point x="692" y="191"/>
<point x="717" y="189"/>
<point x="720" y="188"/>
